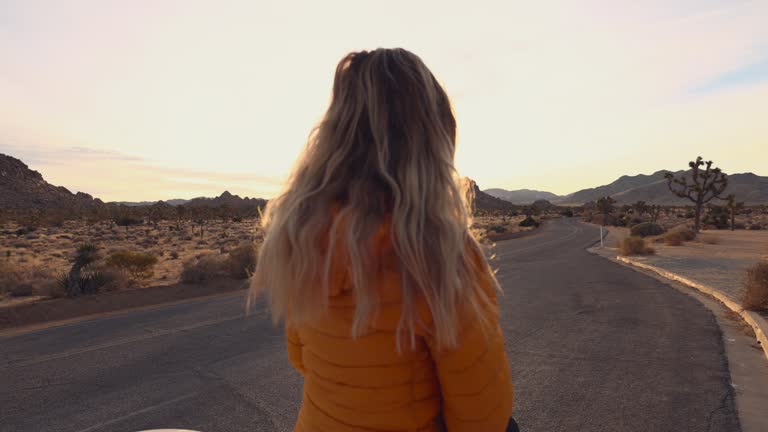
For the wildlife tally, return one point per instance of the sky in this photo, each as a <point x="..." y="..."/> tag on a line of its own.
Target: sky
<point x="158" y="99"/>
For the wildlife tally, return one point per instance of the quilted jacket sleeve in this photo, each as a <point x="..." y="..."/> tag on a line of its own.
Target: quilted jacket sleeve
<point x="294" y="345"/>
<point x="475" y="377"/>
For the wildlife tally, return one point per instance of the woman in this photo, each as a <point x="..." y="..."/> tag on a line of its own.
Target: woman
<point x="388" y="301"/>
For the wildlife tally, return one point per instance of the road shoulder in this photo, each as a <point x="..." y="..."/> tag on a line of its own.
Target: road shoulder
<point x="58" y="312"/>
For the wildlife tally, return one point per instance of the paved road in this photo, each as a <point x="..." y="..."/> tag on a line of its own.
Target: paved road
<point x="593" y="346"/>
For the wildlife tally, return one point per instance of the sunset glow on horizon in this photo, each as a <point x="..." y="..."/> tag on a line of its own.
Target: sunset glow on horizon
<point x="151" y="100"/>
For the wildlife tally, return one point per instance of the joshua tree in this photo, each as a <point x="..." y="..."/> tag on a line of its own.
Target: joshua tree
<point x="605" y="207"/>
<point x="640" y="208"/>
<point x="225" y="212"/>
<point x="530" y="211"/>
<point x="180" y="212"/>
<point x="705" y="185"/>
<point x="733" y="208"/>
<point x="86" y="254"/>
<point x="655" y="212"/>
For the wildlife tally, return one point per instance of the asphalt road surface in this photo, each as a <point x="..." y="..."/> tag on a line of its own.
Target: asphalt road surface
<point x="593" y="346"/>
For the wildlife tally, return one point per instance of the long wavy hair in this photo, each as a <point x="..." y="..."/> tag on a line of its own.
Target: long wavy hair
<point x="382" y="155"/>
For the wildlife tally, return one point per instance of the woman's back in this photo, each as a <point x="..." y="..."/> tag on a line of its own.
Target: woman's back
<point x="365" y="384"/>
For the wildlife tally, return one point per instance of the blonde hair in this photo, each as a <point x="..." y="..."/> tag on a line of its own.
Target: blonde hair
<point x="382" y="154"/>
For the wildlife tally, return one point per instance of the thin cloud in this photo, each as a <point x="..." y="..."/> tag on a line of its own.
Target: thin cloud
<point x="38" y="154"/>
<point x="754" y="73"/>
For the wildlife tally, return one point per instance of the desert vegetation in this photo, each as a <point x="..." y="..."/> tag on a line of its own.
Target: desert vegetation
<point x="703" y="185"/>
<point x="634" y="245"/>
<point x="700" y="185"/>
<point x="756" y="287"/>
<point x="53" y="254"/>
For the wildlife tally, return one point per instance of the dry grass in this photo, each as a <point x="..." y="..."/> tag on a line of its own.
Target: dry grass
<point x="239" y="263"/>
<point x="22" y="278"/>
<point x="756" y="288"/>
<point x="487" y="228"/>
<point x="202" y="268"/>
<point x="635" y="246"/>
<point x="674" y="238"/>
<point x="710" y="239"/>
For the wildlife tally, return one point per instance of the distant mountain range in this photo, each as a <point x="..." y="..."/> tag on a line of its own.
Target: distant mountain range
<point x="226" y="198"/>
<point x="651" y="188"/>
<point x="522" y="196"/>
<point x="173" y="202"/>
<point x="21" y="187"/>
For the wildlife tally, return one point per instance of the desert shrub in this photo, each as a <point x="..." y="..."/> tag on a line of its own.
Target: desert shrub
<point x="687" y="234"/>
<point x="756" y="287"/>
<point x="755" y="227"/>
<point x="602" y="219"/>
<point x="634" y="246"/>
<point x="139" y="265"/>
<point x="21" y="244"/>
<point x="622" y="221"/>
<point x="58" y="288"/>
<point x="241" y="262"/>
<point x="22" y="290"/>
<point x="25" y="230"/>
<point x="709" y="239"/>
<point x="174" y="255"/>
<point x="18" y="279"/>
<point x="739" y="226"/>
<point x="567" y="213"/>
<point x="237" y="219"/>
<point x="646" y="229"/>
<point x="125" y="221"/>
<point x="690" y="215"/>
<point x="674" y="238"/>
<point x="717" y="217"/>
<point x="499" y="229"/>
<point x="529" y="222"/>
<point x="206" y="267"/>
<point x="89" y="282"/>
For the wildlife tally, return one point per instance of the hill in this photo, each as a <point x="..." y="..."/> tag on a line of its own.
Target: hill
<point x="173" y="202"/>
<point x="229" y="200"/>
<point x="620" y="186"/>
<point x="749" y="188"/>
<point x="23" y="188"/>
<point x="489" y="203"/>
<point x="522" y="196"/>
<point x="653" y="189"/>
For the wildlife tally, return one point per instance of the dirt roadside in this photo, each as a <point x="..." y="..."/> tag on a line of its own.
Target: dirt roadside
<point x="55" y="310"/>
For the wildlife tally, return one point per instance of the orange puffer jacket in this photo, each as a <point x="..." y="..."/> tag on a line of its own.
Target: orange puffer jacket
<point x="364" y="384"/>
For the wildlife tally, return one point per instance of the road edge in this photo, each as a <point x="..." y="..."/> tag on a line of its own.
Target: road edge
<point x="20" y="330"/>
<point x="759" y="324"/>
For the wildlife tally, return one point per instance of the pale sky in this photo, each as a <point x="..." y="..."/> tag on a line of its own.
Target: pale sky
<point x="155" y="99"/>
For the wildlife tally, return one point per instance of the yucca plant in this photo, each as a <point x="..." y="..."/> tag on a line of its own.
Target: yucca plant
<point x="87" y="254"/>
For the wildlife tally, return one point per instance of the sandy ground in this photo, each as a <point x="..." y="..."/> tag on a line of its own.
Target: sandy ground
<point x="721" y="265"/>
<point x="39" y="257"/>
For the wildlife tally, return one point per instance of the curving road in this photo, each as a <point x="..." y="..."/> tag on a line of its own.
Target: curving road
<point x="593" y="346"/>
